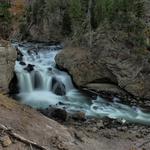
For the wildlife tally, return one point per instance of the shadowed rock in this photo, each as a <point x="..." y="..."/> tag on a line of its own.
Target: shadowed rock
<point x="58" y="87"/>
<point x="29" y="68"/>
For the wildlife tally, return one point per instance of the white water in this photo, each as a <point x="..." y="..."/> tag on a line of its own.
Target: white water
<point x="37" y="89"/>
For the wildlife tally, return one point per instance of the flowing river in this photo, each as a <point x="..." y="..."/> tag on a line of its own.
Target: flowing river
<point x="41" y="84"/>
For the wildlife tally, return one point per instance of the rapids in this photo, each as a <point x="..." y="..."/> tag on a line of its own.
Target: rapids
<point x="41" y="84"/>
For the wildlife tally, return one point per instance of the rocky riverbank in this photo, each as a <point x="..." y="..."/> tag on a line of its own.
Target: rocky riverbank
<point x="73" y="134"/>
<point x="102" y="133"/>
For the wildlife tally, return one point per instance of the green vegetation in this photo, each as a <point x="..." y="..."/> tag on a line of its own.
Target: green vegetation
<point x="125" y="15"/>
<point x="81" y="17"/>
<point x="117" y="9"/>
<point x="5" y="19"/>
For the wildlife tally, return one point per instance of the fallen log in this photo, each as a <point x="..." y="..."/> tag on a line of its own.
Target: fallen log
<point x="20" y="138"/>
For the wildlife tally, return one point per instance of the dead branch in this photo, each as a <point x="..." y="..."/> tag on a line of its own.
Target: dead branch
<point x="20" y="138"/>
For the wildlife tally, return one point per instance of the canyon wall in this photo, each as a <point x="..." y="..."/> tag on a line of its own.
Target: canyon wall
<point x="7" y="61"/>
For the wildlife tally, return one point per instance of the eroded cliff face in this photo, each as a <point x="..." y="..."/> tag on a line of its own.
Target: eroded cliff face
<point x="114" y="59"/>
<point x="118" y="54"/>
<point x="7" y="61"/>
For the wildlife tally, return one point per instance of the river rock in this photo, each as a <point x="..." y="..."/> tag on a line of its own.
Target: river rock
<point x="60" y="114"/>
<point x="22" y="63"/>
<point x="80" y="116"/>
<point x="55" y="113"/>
<point x="29" y="68"/>
<point x="58" y="87"/>
<point x="19" y="55"/>
<point x="8" y="57"/>
<point x="5" y="140"/>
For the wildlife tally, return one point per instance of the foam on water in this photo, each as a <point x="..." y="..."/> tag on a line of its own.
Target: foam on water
<point x="36" y="88"/>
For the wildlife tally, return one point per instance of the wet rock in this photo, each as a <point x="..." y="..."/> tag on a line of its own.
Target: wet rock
<point x="19" y="55"/>
<point x="38" y="81"/>
<point x="49" y="69"/>
<point x="79" y="116"/>
<point x="5" y="140"/>
<point x="58" y="87"/>
<point x="60" y="103"/>
<point x="60" y="114"/>
<point x="22" y="63"/>
<point x="13" y="86"/>
<point x="56" y="113"/>
<point x="29" y="68"/>
<point x="33" y="51"/>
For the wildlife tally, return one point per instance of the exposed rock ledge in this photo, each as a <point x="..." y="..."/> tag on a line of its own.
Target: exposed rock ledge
<point x="128" y="70"/>
<point x="33" y="126"/>
<point x="105" y="87"/>
<point x="8" y="56"/>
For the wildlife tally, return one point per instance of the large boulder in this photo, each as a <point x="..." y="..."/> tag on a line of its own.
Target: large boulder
<point x="8" y="56"/>
<point x="109" y="64"/>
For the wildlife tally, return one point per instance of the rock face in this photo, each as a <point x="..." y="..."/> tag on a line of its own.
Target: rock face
<point x="33" y="126"/>
<point x="128" y="70"/>
<point x="110" y="88"/>
<point x="7" y="61"/>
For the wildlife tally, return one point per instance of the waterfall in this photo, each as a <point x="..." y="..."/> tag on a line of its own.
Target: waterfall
<point x="41" y="84"/>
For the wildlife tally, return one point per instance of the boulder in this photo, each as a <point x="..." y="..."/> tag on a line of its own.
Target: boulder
<point x="125" y="68"/>
<point x="56" y="113"/>
<point x="19" y="55"/>
<point x="58" y="87"/>
<point x="8" y="57"/>
<point x="5" y="140"/>
<point x="79" y="116"/>
<point x="29" y="68"/>
<point x="22" y="63"/>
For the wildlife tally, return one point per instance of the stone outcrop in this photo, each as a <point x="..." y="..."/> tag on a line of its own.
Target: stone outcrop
<point x="33" y="126"/>
<point x="7" y="61"/>
<point x="108" y="64"/>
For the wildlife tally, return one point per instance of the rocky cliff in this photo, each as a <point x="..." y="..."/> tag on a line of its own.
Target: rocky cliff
<point x="108" y="65"/>
<point x="116" y="42"/>
<point x="119" y="53"/>
<point x="7" y="61"/>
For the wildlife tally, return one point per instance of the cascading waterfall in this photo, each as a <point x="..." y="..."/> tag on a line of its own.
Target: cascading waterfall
<point x="41" y="84"/>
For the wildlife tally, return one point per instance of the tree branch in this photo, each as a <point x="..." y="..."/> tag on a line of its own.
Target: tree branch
<point x="20" y="138"/>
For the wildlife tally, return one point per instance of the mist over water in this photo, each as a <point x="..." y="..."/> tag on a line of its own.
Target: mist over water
<point x="41" y="84"/>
